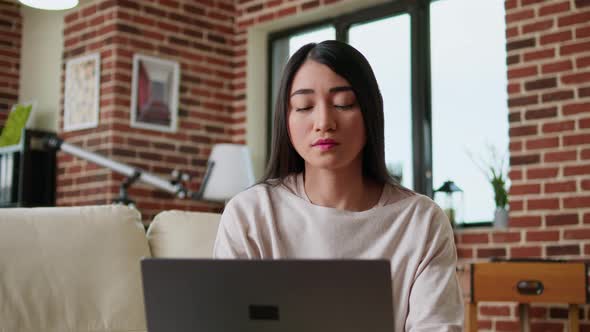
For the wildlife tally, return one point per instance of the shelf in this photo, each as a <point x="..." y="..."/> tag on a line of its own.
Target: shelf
<point x="27" y="172"/>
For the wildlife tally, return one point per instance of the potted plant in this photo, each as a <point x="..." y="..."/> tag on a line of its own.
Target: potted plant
<point x="493" y="169"/>
<point x="498" y="181"/>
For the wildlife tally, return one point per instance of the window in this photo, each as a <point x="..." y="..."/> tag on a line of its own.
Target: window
<point x="432" y="118"/>
<point x="469" y="110"/>
<point x="391" y="64"/>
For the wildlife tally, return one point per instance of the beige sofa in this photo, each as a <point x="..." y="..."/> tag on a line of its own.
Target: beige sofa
<point x="74" y="269"/>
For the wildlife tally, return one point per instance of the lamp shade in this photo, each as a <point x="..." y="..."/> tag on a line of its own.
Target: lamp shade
<point x="50" y="4"/>
<point x="231" y="172"/>
<point x="448" y="187"/>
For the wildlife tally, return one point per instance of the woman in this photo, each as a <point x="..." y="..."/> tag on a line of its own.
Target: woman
<point x="327" y="194"/>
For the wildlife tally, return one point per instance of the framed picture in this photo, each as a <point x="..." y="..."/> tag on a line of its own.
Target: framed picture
<point x="82" y="90"/>
<point x="154" y="93"/>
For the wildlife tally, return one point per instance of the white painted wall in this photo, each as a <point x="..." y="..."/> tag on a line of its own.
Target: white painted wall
<point x="40" y="64"/>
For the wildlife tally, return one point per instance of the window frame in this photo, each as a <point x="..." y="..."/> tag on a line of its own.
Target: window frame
<point x="419" y="12"/>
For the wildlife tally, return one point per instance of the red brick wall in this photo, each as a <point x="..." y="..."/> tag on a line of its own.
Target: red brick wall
<point x="548" y="45"/>
<point x="208" y="38"/>
<point x="197" y="34"/>
<point x="10" y="44"/>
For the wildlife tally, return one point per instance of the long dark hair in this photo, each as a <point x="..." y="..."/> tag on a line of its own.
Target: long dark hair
<point x="349" y="63"/>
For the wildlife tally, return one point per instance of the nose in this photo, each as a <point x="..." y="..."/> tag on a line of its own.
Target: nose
<point x="324" y="118"/>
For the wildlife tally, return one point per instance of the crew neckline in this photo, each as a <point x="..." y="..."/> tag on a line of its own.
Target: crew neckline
<point x="300" y="191"/>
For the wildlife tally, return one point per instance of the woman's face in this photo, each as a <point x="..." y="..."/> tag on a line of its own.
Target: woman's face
<point x="325" y="122"/>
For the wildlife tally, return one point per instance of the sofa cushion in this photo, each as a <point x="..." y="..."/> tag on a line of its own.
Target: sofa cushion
<point x="71" y="269"/>
<point x="183" y="234"/>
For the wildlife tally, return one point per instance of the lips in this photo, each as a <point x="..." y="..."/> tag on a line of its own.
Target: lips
<point x="324" y="143"/>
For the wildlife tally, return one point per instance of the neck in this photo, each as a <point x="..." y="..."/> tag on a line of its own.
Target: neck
<point x="344" y="189"/>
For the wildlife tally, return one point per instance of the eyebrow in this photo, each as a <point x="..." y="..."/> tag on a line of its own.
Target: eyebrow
<point x="332" y="90"/>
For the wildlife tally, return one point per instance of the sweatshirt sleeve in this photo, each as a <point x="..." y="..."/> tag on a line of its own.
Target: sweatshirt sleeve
<point x="435" y="303"/>
<point x="232" y="239"/>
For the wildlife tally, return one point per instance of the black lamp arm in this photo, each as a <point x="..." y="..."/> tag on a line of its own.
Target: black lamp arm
<point x="198" y="195"/>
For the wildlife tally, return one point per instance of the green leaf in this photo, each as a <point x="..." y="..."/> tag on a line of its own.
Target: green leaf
<point x="17" y="119"/>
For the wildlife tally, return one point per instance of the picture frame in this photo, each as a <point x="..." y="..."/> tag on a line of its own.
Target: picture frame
<point x="154" y="93"/>
<point x="82" y="93"/>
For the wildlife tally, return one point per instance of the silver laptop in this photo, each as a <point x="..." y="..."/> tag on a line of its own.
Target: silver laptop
<point x="267" y="295"/>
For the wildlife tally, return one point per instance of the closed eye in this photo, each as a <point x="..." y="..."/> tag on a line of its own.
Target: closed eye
<point x="303" y="109"/>
<point x="344" y="107"/>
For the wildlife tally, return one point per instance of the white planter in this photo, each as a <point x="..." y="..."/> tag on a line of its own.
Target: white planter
<point x="501" y="218"/>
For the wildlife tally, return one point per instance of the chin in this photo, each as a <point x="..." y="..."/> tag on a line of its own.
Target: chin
<point x="329" y="163"/>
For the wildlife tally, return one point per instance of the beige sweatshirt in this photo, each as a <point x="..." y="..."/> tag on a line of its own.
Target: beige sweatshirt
<point x="274" y="222"/>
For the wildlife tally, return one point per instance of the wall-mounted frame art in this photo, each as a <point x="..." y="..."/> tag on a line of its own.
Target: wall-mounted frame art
<point x="154" y="93"/>
<point x="82" y="92"/>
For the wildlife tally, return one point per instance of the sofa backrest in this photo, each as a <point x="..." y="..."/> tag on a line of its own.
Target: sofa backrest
<point x="71" y="269"/>
<point x="183" y="234"/>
